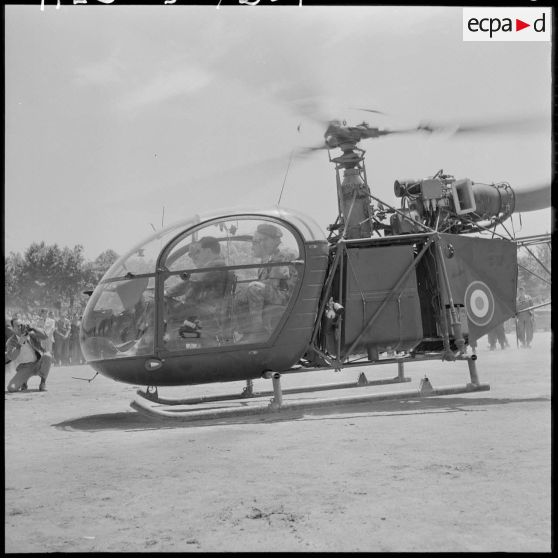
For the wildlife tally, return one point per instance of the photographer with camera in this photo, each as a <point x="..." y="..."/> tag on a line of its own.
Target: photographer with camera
<point x="26" y="356"/>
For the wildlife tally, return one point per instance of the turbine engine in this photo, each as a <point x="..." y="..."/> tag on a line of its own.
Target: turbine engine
<point x="457" y="206"/>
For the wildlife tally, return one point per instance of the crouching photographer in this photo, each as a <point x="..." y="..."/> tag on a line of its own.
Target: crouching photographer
<point x="25" y="356"/>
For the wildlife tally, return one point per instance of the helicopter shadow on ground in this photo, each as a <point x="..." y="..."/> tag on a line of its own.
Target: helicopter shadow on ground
<point x="135" y="421"/>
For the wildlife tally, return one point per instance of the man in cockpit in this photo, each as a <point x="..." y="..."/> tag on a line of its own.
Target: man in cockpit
<point x="201" y="294"/>
<point x="185" y="285"/>
<point x="198" y="286"/>
<point x="274" y="283"/>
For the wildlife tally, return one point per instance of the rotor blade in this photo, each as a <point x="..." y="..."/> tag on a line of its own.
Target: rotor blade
<point x="377" y="132"/>
<point x="532" y="198"/>
<point x="304" y="151"/>
<point x="386" y="132"/>
<point x="368" y="110"/>
<point x="510" y="125"/>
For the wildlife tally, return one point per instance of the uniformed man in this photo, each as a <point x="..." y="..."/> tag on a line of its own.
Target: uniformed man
<point x="524" y="319"/>
<point x="498" y="334"/>
<point x="274" y="284"/>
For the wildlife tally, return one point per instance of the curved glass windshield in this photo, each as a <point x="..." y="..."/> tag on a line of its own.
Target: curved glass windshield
<point x="228" y="283"/>
<point x="119" y="320"/>
<point x="225" y="282"/>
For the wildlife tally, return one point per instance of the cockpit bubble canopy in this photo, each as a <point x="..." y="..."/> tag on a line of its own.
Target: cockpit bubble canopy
<point x="197" y="280"/>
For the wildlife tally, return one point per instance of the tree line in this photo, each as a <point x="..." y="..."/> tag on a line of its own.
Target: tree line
<point x="49" y="276"/>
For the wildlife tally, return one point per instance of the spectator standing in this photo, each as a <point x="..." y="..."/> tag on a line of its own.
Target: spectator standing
<point x="524" y="321"/>
<point x="498" y="334"/>
<point x="76" y="356"/>
<point x="62" y="342"/>
<point x="48" y="325"/>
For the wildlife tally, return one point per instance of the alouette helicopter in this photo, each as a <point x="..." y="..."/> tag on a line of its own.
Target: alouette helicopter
<point x="246" y="295"/>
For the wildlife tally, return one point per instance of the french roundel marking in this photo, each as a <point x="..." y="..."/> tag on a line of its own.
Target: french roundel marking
<point x="479" y="303"/>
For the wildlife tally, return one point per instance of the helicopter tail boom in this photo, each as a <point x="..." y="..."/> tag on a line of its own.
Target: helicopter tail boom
<point x="532" y="198"/>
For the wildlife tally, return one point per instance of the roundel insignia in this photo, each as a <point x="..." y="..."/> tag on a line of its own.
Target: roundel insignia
<point x="479" y="303"/>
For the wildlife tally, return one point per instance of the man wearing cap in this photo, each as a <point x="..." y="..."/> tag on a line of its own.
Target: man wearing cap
<point x="274" y="283"/>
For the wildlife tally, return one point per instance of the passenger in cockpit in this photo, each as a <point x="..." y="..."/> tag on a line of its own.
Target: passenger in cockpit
<point x="273" y="288"/>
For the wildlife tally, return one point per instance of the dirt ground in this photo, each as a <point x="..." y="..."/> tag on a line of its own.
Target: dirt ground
<point x="467" y="472"/>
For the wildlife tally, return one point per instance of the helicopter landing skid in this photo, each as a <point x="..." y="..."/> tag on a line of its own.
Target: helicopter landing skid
<point x="190" y="413"/>
<point x="248" y="392"/>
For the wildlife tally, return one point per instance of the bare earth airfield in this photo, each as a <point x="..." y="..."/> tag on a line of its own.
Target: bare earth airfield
<point x="467" y="472"/>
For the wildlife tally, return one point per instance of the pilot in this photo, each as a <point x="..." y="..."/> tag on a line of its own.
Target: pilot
<point x="26" y="356"/>
<point x="185" y="285"/>
<point x="204" y="253"/>
<point x="202" y="294"/>
<point x="274" y="283"/>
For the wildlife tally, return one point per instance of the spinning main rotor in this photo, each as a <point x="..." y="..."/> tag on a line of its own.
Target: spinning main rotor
<point x="439" y="202"/>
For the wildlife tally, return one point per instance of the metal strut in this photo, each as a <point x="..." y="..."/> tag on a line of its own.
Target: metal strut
<point x="248" y="391"/>
<point x="277" y="401"/>
<point x="471" y="362"/>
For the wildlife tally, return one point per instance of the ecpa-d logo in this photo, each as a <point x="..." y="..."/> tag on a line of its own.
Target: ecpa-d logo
<point x="507" y="24"/>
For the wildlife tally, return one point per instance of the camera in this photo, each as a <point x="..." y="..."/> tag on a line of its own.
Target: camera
<point x="25" y="329"/>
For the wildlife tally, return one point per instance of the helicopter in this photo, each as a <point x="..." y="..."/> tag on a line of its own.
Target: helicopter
<point x="386" y="284"/>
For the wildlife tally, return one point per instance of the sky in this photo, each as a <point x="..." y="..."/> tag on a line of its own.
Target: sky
<point x="121" y="119"/>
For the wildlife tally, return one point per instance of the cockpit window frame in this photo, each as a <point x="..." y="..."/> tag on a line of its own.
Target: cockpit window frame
<point x="162" y="273"/>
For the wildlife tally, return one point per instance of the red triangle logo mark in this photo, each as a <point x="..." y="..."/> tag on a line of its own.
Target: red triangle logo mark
<point x="519" y="25"/>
